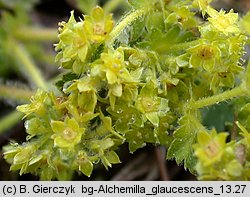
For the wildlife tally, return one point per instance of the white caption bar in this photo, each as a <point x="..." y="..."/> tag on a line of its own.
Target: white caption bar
<point x="126" y="189"/>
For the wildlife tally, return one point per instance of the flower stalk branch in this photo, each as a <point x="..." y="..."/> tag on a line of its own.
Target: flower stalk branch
<point x="36" y="34"/>
<point x="124" y="23"/>
<point x="230" y="94"/>
<point x="15" y="94"/>
<point x="28" y="65"/>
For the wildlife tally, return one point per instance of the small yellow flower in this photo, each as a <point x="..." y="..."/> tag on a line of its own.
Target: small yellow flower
<point x="98" y="25"/>
<point x="73" y="42"/>
<point x="114" y="66"/>
<point x="37" y="104"/>
<point x="204" y="55"/>
<point x="150" y="104"/>
<point x="66" y="134"/>
<point x="210" y="146"/>
<point x="222" y="21"/>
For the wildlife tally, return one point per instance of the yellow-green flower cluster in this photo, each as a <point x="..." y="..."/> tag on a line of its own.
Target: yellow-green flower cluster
<point x="204" y="55"/>
<point x="219" y="49"/>
<point x="37" y="106"/>
<point x="77" y="38"/>
<point x="98" y="25"/>
<point x="223" y="22"/>
<point x="217" y="159"/>
<point x="143" y="85"/>
<point x="114" y="67"/>
<point x="61" y="139"/>
<point x="150" y="104"/>
<point x="67" y="133"/>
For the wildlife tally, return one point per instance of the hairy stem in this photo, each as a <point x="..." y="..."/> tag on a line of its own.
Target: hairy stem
<point x="36" y="34"/>
<point x="15" y="93"/>
<point x="238" y="91"/>
<point x="11" y="119"/>
<point x="124" y="23"/>
<point x="29" y="68"/>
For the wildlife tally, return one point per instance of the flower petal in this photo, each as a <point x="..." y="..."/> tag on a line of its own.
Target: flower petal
<point x="57" y="126"/>
<point x="153" y="118"/>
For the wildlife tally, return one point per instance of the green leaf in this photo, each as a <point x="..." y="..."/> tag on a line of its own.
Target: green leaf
<point x="116" y="89"/>
<point x="217" y="116"/>
<point x="234" y="168"/>
<point x="182" y="60"/>
<point x="86" y="167"/>
<point x="155" y="20"/>
<point x="105" y="162"/>
<point x="184" y="137"/>
<point x="77" y="66"/>
<point x="163" y="41"/>
<point x="57" y="126"/>
<point x="112" y="157"/>
<point x="148" y="90"/>
<point x="137" y="31"/>
<point x="172" y="18"/>
<point x="103" y="144"/>
<point x="244" y="117"/>
<point x="126" y="117"/>
<point x="134" y="145"/>
<point x="153" y="118"/>
<point x="35" y="126"/>
<point x="82" y="54"/>
<point x="87" y="101"/>
<point x="97" y="53"/>
<point x="162" y="131"/>
<point x="130" y="93"/>
<point x="65" y="78"/>
<point x="47" y="173"/>
<point x="138" y="137"/>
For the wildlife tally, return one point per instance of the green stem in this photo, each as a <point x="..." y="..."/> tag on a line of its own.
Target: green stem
<point x="125" y="23"/>
<point x="117" y="135"/>
<point x="238" y="91"/>
<point x="11" y="119"/>
<point x="163" y="9"/>
<point x="36" y="34"/>
<point x="15" y="94"/>
<point x="29" y="68"/>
